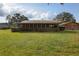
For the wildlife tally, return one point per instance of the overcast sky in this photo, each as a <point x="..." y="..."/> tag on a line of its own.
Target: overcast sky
<point x="38" y="11"/>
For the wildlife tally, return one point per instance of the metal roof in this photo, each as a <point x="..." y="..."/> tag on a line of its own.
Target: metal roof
<point x="40" y="21"/>
<point x="67" y="23"/>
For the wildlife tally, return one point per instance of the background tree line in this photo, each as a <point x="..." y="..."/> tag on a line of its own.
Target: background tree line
<point x="14" y="19"/>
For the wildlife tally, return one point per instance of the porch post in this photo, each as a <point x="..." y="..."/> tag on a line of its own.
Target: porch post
<point x="29" y="26"/>
<point x="45" y="26"/>
<point x="37" y="27"/>
<point x="25" y="26"/>
<point x="33" y="27"/>
<point x="41" y="26"/>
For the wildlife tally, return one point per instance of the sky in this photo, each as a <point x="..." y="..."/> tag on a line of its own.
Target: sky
<point x="38" y="11"/>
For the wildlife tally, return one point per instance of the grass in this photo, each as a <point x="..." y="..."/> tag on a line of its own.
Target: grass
<point x="39" y="43"/>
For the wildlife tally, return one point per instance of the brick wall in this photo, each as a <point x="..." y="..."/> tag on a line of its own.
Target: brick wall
<point x="72" y="26"/>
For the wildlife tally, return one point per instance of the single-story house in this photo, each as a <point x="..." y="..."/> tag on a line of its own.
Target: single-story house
<point x="39" y="25"/>
<point x="70" y="26"/>
<point x="4" y="25"/>
<point x="46" y="25"/>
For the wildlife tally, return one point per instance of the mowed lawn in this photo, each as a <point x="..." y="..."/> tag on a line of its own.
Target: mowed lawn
<point x="39" y="43"/>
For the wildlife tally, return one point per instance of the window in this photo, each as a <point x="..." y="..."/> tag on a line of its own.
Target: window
<point x="23" y="25"/>
<point x="31" y="25"/>
<point x="39" y="25"/>
<point x="47" y="25"/>
<point x="43" y="25"/>
<point x="35" y="25"/>
<point x="55" y="26"/>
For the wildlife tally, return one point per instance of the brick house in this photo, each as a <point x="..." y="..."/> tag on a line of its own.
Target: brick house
<point x="71" y="26"/>
<point x="46" y="25"/>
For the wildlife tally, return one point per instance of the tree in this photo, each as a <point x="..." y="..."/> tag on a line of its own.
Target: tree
<point x="65" y="17"/>
<point x="15" y="19"/>
<point x="20" y="17"/>
<point x="9" y="18"/>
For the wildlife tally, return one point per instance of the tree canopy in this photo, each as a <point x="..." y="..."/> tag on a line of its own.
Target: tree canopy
<point x="15" y="18"/>
<point x="66" y="17"/>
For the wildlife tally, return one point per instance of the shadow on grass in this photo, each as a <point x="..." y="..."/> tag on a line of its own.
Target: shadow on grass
<point x="4" y="28"/>
<point x="66" y="31"/>
<point x="69" y="31"/>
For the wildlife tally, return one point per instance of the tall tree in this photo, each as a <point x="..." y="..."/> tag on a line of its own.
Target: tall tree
<point x="9" y="18"/>
<point x="20" y="17"/>
<point x="66" y="17"/>
<point x="15" y="18"/>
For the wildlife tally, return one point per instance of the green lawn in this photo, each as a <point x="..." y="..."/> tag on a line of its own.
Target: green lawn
<point x="39" y="43"/>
